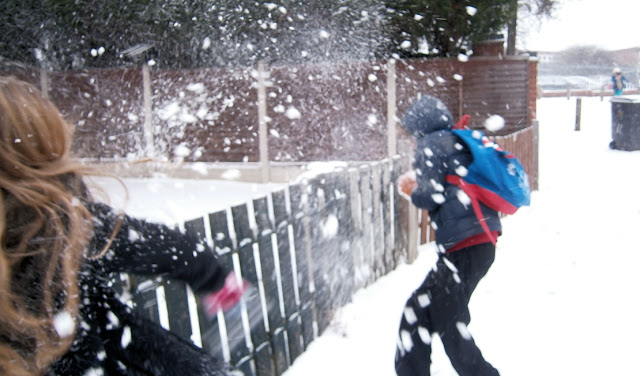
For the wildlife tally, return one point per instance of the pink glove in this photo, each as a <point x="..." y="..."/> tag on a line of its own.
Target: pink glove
<point x="407" y="183"/>
<point x="226" y="298"/>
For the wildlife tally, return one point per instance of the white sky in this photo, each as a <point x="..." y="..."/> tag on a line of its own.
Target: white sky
<point x="608" y="24"/>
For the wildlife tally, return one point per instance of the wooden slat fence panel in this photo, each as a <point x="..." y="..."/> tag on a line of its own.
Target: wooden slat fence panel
<point x="357" y="229"/>
<point x="305" y="250"/>
<point x="209" y="327"/>
<point x="292" y="323"/>
<point x="376" y="221"/>
<point x="387" y="216"/>
<point x="302" y="234"/>
<point x="245" y="239"/>
<point x="366" y="208"/>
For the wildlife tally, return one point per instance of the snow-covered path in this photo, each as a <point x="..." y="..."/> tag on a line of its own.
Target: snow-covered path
<point x="561" y="298"/>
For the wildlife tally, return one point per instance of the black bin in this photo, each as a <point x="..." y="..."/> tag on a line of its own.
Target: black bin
<point x="625" y="123"/>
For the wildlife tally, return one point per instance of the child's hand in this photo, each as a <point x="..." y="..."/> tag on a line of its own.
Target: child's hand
<point x="227" y="297"/>
<point x="407" y="183"/>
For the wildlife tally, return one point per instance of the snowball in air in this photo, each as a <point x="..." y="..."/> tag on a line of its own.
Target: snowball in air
<point x="461" y="171"/>
<point x="206" y="43"/>
<point x="293" y="113"/>
<point x="471" y="11"/>
<point x="126" y="337"/>
<point x="231" y="174"/>
<point x="494" y="123"/>
<point x="438" y="198"/>
<point x="196" y="87"/>
<point x="463" y="198"/>
<point x="330" y="227"/>
<point x="64" y="324"/>
<point x="182" y="151"/>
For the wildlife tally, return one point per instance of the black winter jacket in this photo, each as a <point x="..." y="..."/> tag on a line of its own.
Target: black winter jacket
<point x="111" y="338"/>
<point x="439" y="152"/>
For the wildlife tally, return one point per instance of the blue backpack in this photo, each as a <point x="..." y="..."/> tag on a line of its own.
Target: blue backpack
<point x="495" y="177"/>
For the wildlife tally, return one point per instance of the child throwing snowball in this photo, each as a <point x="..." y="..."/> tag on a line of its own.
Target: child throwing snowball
<point x="59" y="313"/>
<point x="466" y="247"/>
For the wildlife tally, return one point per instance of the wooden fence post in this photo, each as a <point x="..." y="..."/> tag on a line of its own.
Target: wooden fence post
<point x="150" y="148"/>
<point x="578" y="113"/>
<point x="262" y="123"/>
<point x="44" y="83"/>
<point x="391" y="109"/>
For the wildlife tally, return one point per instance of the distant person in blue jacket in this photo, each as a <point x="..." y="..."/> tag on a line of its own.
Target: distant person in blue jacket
<point x="466" y="250"/>
<point x="619" y="81"/>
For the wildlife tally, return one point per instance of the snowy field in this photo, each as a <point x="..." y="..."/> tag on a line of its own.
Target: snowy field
<point x="561" y="297"/>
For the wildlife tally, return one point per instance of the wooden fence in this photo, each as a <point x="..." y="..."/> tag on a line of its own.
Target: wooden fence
<point x="262" y="115"/>
<point x="305" y="250"/>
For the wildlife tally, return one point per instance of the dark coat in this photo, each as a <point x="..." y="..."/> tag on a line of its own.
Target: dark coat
<point x="439" y="153"/>
<point x="111" y="338"/>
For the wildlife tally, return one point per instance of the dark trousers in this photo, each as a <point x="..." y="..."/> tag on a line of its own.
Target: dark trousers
<point x="440" y="305"/>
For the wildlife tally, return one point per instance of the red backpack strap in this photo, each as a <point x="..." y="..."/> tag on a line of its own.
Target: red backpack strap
<point x="457" y="180"/>
<point x="462" y="123"/>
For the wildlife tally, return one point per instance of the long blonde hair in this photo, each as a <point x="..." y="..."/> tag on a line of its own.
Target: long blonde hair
<point x="44" y="231"/>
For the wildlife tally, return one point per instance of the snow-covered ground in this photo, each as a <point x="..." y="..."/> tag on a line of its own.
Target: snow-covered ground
<point x="174" y="201"/>
<point x="561" y="297"/>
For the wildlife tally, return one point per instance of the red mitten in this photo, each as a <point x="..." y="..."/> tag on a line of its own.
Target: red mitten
<point x="407" y="183"/>
<point x="227" y="297"/>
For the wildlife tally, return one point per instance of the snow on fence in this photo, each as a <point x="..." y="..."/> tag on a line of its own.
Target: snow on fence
<point x="305" y="250"/>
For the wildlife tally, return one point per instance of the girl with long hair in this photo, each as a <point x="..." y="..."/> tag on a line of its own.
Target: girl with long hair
<point x="59" y="250"/>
